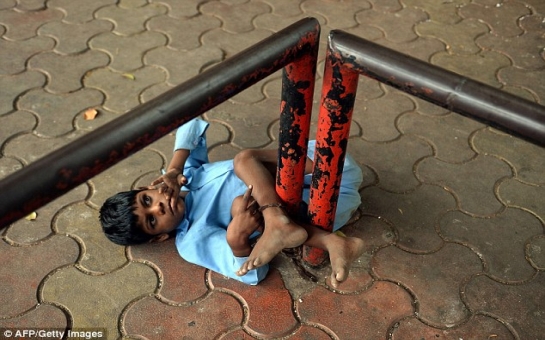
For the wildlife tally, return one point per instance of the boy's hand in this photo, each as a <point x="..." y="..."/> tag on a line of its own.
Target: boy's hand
<point x="169" y="184"/>
<point x="246" y="220"/>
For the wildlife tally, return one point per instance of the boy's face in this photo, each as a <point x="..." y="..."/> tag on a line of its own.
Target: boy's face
<point x="154" y="214"/>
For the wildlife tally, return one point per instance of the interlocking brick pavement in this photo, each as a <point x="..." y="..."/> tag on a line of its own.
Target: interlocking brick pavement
<point x="452" y="211"/>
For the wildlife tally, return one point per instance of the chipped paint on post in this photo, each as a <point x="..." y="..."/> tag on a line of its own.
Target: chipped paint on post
<point x="296" y="109"/>
<point x="337" y="104"/>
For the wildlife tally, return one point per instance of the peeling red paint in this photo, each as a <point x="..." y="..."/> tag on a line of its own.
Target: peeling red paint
<point x="338" y="95"/>
<point x="296" y="109"/>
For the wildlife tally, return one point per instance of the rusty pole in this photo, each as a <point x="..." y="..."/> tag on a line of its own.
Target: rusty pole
<point x="295" y="112"/>
<point x="334" y="119"/>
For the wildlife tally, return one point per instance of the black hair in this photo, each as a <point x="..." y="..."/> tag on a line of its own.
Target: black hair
<point x="119" y="222"/>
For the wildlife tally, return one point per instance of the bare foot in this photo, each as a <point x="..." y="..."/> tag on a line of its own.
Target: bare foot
<point x="280" y="233"/>
<point x="343" y="251"/>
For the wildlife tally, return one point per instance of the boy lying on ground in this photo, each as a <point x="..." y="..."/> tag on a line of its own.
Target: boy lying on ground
<point x="217" y="211"/>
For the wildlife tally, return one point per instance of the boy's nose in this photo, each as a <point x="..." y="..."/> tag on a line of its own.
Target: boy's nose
<point x="158" y="208"/>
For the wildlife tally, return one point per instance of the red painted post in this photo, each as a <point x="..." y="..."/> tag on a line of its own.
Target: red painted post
<point x="337" y="104"/>
<point x="296" y="108"/>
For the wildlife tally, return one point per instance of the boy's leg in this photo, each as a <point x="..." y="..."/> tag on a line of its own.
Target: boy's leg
<point x="343" y="251"/>
<point x="256" y="168"/>
<point x="259" y="166"/>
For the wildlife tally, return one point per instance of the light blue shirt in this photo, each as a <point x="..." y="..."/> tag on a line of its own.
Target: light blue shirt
<point x="201" y="237"/>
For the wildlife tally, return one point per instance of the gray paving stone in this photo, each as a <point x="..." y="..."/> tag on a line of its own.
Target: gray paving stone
<point x="126" y="52"/>
<point x="183" y="34"/>
<point x="451" y="144"/>
<point x="231" y="43"/>
<point x="531" y="41"/>
<point x="376" y="232"/>
<point x="369" y="89"/>
<point x="525" y="196"/>
<point x="31" y="5"/>
<point x="243" y="118"/>
<point x="9" y="165"/>
<point x="500" y="241"/>
<point x="98" y="255"/>
<point x="181" y="9"/>
<point x="7" y="4"/>
<point x="366" y="32"/>
<point x="154" y="91"/>
<point x="274" y="22"/>
<point x="446" y="13"/>
<point x="11" y="63"/>
<point x="473" y="183"/>
<point x="478" y="326"/>
<point x="535" y="250"/>
<point x="73" y="38"/>
<point x="501" y="17"/>
<point x="527" y="159"/>
<point x="459" y="37"/>
<point x="396" y="26"/>
<point x="182" y="66"/>
<point x="79" y="12"/>
<point x="123" y="90"/>
<point x="521" y="305"/>
<point x="24" y="25"/>
<point x="338" y="15"/>
<point x="57" y="111"/>
<point x="530" y="81"/>
<point x="63" y="79"/>
<point x="393" y="161"/>
<point x="428" y="109"/>
<point x="130" y="20"/>
<point x="284" y="8"/>
<point x="387" y="5"/>
<point x="536" y="5"/>
<point x="15" y="85"/>
<point x="377" y="117"/>
<point x="235" y="20"/>
<point x="15" y="123"/>
<point x="439" y="304"/>
<point x="412" y="215"/>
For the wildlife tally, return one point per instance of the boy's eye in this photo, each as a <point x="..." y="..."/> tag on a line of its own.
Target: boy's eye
<point x="152" y="221"/>
<point x="147" y="200"/>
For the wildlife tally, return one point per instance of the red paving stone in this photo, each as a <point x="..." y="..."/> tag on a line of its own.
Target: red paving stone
<point x="452" y="211"/>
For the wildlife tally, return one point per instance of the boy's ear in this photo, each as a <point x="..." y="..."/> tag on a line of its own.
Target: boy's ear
<point x="159" y="238"/>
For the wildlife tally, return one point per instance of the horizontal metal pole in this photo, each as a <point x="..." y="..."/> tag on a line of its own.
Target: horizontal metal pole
<point x="58" y="172"/>
<point x="489" y="105"/>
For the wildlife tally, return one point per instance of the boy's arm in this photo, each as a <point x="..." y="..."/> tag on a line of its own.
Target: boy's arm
<point x="246" y="220"/>
<point x="189" y="151"/>
<point x="173" y="178"/>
